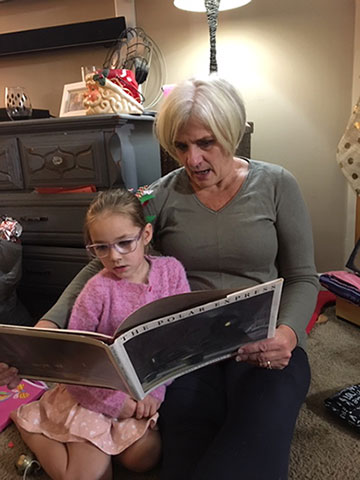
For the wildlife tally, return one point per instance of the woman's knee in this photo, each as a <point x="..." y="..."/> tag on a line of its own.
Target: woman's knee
<point x="199" y="394"/>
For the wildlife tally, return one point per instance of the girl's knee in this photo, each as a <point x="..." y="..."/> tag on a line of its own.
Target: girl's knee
<point x="144" y="454"/>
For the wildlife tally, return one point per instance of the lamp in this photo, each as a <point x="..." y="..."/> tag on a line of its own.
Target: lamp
<point x="212" y="8"/>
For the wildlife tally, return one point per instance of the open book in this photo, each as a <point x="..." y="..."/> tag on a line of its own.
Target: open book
<point x="158" y="342"/>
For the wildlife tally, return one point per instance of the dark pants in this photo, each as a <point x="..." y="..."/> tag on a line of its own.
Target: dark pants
<point x="232" y="421"/>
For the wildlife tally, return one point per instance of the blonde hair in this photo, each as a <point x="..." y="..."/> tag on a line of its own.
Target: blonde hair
<point x="119" y="201"/>
<point x="214" y="102"/>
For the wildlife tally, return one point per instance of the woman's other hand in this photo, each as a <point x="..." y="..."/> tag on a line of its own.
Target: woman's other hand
<point x="9" y="376"/>
<point x="43" y="323"/>
<point x="270" y="353"/>
<point x="147" y="407"/>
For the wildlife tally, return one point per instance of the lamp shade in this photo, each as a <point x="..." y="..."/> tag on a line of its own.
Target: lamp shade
<point x="199" y="5"/>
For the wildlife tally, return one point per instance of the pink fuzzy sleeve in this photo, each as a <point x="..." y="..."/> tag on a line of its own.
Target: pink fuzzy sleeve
<point x="181" y="284"/>
<point x="102" y="400"/>
<point x="159" y="392"/>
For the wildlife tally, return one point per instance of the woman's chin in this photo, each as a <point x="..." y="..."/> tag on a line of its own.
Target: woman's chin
<point x="202" y="179"/>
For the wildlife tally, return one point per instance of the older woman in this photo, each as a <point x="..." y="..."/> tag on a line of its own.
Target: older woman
<point x="232" y="222"/>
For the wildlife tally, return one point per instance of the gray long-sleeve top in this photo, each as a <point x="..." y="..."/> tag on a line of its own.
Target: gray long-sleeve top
<point x="263" y="233"/>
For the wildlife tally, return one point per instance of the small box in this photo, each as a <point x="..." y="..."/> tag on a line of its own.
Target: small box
<point x="348" y="311"/>
<point x="27" y="391"/>
<point x="346" y="286"/>
<point x="345" y="309"/>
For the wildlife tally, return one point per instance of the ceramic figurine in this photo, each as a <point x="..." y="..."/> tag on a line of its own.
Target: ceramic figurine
<point x="112" y="91"/>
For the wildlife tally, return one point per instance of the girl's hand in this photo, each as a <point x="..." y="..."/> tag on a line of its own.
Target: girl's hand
<point x="270" y="353"/>
<point x="147" y="407"/>
<point x="9" y="376"/>
<point x="128" y="409"/>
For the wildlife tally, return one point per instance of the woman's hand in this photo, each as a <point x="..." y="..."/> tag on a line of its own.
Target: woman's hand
<point x="270" y="353"/>
<point x="147" y="407"/>
<point x="9" y="376"/>
<point x="43" y="323"/>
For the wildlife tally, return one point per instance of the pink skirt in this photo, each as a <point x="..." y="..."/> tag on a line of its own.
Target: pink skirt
<point x="59" y="416"/>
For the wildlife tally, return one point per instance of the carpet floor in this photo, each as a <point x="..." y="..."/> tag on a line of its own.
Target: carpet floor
<point x="323" y="447"/>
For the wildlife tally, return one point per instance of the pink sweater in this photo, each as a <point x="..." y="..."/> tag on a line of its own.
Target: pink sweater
<point x="105" y="302"/>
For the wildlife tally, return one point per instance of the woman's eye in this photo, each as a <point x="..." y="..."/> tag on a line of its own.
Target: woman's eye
<point x="180" y="146"/>
<point x="205" y="143"/>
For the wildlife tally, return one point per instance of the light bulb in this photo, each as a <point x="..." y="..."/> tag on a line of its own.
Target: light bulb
<point x="199" y="5"/>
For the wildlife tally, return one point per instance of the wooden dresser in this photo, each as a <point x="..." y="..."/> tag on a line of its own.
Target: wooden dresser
<point x="101" y="150"/>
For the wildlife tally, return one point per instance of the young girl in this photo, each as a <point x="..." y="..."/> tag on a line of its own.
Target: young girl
<point x="75" y="430"/>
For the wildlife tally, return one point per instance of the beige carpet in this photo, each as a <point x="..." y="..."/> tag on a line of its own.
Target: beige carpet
<point x="323" y="448"/>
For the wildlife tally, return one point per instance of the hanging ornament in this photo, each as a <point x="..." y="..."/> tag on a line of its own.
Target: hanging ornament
<point x="348" y="151"/>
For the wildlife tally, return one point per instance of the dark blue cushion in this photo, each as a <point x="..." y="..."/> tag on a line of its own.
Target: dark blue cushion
<point x="346" y="405"/>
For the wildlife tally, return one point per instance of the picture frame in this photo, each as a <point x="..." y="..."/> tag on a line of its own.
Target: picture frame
<point x="72" y="100"/>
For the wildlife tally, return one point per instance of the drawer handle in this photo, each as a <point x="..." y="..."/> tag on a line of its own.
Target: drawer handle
<point x="38" y="272"/>
<point x="34" y="219"/>
<point x="57" y="160"/>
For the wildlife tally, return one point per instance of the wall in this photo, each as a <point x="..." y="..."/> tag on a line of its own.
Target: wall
<point x="293" y="62"/>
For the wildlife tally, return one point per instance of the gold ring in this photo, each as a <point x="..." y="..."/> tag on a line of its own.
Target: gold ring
<point x="268" y="365"/>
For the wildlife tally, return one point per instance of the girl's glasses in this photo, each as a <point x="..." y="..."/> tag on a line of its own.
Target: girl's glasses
<point x="102" y="250"/>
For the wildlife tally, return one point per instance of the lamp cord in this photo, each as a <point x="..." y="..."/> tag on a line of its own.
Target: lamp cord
<point x="212" y="11"/>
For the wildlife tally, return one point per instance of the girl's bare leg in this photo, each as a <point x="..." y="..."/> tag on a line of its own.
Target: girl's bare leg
<point x="67" y="461"/>
<point x="142" y="455"/>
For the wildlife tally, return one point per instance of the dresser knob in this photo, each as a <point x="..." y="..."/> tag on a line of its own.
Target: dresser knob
<point x="34" y="219"/>
<point x="57" y="160"/>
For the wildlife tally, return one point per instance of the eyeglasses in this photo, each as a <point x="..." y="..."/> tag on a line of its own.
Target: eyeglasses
<point x="102" y="250"/>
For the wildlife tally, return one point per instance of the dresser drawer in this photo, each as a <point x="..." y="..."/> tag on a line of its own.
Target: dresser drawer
<point x="10" y="167"/>
<point x="46" y="272"/>
<point x="64" y="159"/>
<point x="48" y="219"/>
<point x="51" y="268"/>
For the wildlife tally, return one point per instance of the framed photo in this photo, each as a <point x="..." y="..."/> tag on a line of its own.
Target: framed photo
<point x="72" y="103"/>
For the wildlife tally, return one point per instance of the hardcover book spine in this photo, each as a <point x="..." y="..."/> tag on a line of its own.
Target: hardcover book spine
<point x="127" y="370"/>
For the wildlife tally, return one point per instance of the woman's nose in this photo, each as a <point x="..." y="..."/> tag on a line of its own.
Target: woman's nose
<point x="194" y="156"/>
